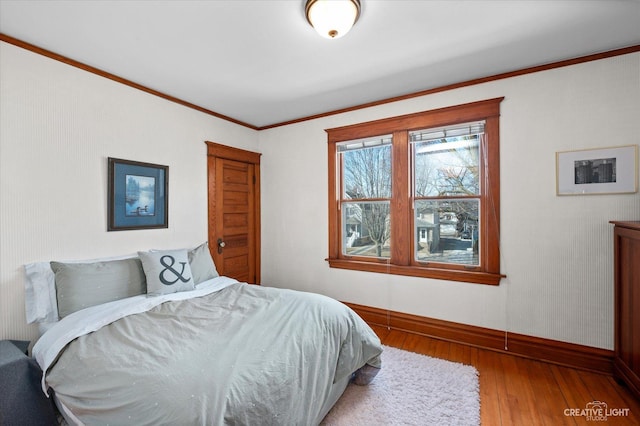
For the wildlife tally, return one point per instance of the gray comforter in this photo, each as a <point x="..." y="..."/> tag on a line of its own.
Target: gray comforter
<point x="244" y="355"/>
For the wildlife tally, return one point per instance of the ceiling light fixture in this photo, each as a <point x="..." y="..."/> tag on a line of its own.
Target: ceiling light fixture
<point x="332" y="18"/>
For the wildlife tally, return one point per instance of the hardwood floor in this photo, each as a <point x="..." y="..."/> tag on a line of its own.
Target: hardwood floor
<point x="520" y="391"/>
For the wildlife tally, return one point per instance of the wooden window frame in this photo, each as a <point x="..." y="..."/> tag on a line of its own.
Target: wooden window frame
<point x="401" y="261"/>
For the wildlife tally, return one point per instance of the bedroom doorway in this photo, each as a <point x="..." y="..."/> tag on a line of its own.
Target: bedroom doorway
<point x="234" y="211"/>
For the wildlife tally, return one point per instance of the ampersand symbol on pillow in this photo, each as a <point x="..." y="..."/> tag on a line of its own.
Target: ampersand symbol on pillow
<point x="169" y="267"/>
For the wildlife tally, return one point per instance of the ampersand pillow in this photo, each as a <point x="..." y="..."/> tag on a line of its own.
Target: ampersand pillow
<point x="167" y="271"/>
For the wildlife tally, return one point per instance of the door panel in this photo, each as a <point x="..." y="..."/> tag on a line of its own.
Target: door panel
<point x="234" y="212"/>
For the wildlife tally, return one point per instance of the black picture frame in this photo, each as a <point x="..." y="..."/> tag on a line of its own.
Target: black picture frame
<point x="138" y="195"/>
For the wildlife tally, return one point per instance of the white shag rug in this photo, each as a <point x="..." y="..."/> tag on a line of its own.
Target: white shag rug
<point x="411" y="389"/>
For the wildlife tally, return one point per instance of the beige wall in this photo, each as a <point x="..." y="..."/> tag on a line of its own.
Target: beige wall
<point x="556" y="251"/>
<point x="58" y="126"/>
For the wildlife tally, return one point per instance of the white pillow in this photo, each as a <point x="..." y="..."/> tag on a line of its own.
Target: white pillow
<point x="40" y="293"/>
<point x="167" y="271"/>
<point x="40" y="289"/>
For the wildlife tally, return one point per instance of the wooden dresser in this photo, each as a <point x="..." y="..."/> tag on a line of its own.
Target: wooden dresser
<point x="626" y="251"/>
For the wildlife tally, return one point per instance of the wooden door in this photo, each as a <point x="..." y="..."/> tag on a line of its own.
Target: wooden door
<point x="234" y="211"/>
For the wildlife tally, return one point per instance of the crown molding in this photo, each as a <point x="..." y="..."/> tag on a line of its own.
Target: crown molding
<point x="97" y="71"/>
<point x="530" y="70"/>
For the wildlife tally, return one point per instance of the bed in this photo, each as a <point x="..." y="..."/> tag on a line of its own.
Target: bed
<point x="212" y="350"/>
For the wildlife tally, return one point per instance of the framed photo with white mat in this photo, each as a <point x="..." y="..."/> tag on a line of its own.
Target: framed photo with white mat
<point x="597" y="171"/>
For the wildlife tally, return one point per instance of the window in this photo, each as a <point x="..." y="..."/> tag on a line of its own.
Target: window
<point x="418" y="194"/>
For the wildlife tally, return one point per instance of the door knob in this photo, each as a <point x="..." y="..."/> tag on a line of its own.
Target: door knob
<point x="221" y="245"/>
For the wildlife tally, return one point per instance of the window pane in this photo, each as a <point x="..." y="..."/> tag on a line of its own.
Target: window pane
<point x="367" y="172"/>
<point x="366" y="229"/>
<point x="447" y="231"/>
<point x="447" y="166"/>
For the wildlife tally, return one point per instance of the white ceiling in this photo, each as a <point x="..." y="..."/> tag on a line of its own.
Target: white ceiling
<point x="261" y="63"/>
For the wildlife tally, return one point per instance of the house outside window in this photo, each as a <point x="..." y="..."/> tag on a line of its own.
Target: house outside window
<point x="418" y="195"/>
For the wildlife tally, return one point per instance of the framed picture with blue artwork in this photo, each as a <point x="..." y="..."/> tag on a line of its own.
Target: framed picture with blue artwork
<point x="138" y="195"/>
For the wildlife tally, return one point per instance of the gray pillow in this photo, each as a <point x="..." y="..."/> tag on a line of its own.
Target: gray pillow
<point x="81" y="285"/>
<point x="167" y="271"/>
<point x="202" y="266"/>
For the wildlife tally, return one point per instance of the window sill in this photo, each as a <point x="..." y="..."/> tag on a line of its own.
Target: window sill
<point x="474" y="277"/>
